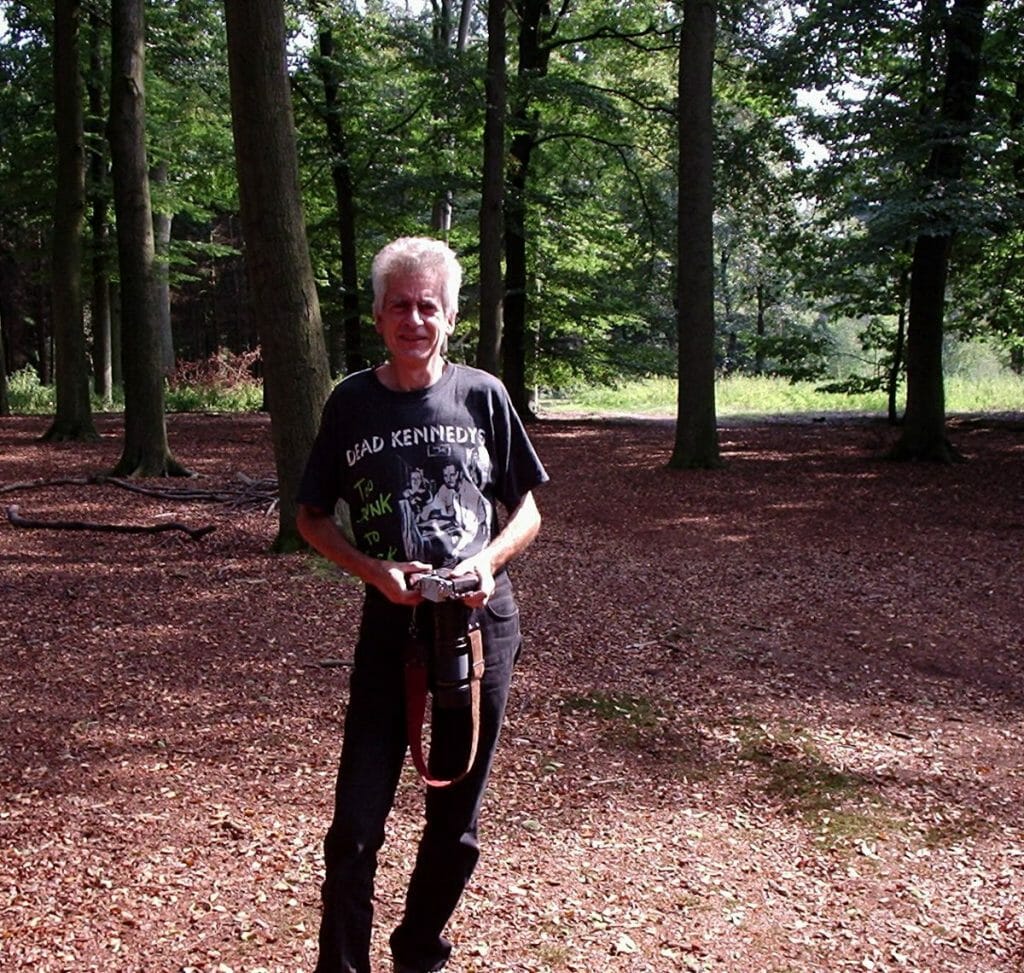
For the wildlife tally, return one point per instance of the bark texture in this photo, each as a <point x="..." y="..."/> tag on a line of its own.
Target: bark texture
<point x="146" y="452"/>
<point x="285" y="302"/>
<point x="696" y="440"/>
<point x="924" y="424"/>
<point x="73" y="419"/>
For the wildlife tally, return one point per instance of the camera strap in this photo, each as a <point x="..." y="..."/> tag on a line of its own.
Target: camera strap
<point x="416" y="692"/>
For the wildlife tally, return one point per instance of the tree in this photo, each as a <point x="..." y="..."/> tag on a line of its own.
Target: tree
<point x="346" y="344"/>
<point x="146" y="452"/>
<point x="286" y="305"/>
<point x="492" y="193"/>
<point x="696" y="438"/>
<point x="73" y="419"/>
<point x="105" y="355"/>
<point x="924" y="423"/>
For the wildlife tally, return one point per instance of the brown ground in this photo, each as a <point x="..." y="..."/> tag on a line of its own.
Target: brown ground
<point x="768" y="718"/>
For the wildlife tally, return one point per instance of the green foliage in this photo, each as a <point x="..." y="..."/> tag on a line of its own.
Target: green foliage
<point x="27" y="395"/>
<point x="224" y="382"/>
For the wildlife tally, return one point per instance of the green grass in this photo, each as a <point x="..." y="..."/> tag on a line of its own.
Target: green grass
<point x="983" y="390"/>
<point x="741" y="395"/>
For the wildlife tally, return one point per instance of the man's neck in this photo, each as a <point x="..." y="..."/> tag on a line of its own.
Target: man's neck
<point x="409" y="379"/>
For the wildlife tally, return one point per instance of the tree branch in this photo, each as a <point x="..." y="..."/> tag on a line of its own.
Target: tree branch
<point x="16" y="520"/>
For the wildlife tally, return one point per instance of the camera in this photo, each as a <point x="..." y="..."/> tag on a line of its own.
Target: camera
<point x="444" y="623"/>
<point x="438" y="586"/>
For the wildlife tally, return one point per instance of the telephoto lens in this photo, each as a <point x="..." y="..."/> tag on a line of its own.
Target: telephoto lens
<point x="451" y="661"/>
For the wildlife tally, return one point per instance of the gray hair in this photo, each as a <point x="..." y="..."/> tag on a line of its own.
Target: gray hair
<point x="417" y="255"/>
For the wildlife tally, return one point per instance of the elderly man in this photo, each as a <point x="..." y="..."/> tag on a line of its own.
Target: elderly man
<point x="401" y="430"/>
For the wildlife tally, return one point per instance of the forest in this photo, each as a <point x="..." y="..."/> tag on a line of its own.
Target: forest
<point x="826" y="190"/>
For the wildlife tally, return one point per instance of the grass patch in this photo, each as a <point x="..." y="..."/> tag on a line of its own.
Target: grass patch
<point x="842" y="807"/>
<point x="637" y="710"/>
<point x="629" y="720"/>
<point x="745" y="395"/>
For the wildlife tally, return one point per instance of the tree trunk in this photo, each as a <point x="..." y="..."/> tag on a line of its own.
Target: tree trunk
<point x="102" y="348"/>
<point x="896" y="367"/>
<point x="146" y="452"/>
<point x="924" y="423"/>
<point x="346" y="354"/>
<point x="285" y="303"/>
<point x="73" y="419"/>
<point x="162" y="272"/>
<point x="488" y="350"/>
<point x="696" y="439"/>
<point x="533" y="64"/>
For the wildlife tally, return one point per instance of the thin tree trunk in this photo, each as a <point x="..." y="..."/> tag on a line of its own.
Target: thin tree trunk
<point x="162" y="223"/>
<point x="73" y="419"/>
<point x="346" y="354"/>
<point x="492" y="291"/>
<point x="102" y="349"/>
<point x="146" y="452"/>
<point x="924" y="424"/>
<point x="896" y="366"/>
<point x="533" y="64"/>
<point x="696" y="438"/>
<point x="285" y="303"/>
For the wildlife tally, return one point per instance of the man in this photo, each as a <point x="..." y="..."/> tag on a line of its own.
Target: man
<point x="389" y="434"/>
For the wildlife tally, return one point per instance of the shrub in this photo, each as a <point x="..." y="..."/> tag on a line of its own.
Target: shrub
<point x="224" y="382"/>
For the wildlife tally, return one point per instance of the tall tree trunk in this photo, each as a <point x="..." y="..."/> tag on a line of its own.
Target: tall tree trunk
<point x="73" y="419"/>
<point x="146" y="452"/>
<point x="346" y="354"/>
<point x="492" y="291"/>
<point x="102" y="349"/>
<point x="696" y="439"/>
<point x="162" y="272"/>
<point x="533" y="63"/>
<point x="924" y="423"/>
<point x="285" y="303"/>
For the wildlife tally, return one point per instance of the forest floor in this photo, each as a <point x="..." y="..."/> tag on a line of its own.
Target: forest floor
<point x="768" y="718"/>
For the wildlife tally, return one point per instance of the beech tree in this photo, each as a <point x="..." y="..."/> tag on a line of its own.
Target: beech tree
<point x="492" y="192"/>
<point x="73" y="419"/>
<point x="146" y="451"/>
<point x="285" y="302"/>
<point x="696" y="438"/>
<point x="924" y="424"/>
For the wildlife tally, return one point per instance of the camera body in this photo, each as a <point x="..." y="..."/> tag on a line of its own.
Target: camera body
<point x="438" y="586"/>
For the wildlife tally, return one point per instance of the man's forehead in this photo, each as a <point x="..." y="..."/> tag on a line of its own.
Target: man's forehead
<point x="415" y="284"/>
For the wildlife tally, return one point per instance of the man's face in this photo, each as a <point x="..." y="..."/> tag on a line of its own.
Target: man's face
<point x="412" y="320"/>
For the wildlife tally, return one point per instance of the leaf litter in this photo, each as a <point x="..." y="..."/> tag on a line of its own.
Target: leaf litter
<point x="767" y="717"/>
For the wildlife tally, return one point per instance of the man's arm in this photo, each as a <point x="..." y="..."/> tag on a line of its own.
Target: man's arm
<point x="515" y="537"/>
<point x="321" y="530"/>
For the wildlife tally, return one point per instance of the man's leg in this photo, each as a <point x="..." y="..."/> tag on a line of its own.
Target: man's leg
<point x="371" y="761"/>
<point x="448" y="849"/>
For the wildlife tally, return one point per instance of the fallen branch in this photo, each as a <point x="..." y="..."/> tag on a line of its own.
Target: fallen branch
<point x="16" y="520"/>
<point x="250" y="492"/>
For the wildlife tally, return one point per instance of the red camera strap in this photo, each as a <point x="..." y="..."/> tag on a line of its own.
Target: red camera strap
<point x="416" y="693"/>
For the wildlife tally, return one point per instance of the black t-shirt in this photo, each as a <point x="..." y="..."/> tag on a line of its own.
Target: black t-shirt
<point x="418" y="474"/>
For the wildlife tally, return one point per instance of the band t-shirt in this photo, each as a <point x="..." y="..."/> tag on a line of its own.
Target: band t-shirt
<point x="416" y="475"/>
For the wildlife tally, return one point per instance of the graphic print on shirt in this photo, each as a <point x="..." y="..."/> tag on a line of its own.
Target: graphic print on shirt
<point x="425" y="501"/>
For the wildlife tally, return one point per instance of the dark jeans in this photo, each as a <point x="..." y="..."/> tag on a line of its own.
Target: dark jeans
<point x="372" y="755"/>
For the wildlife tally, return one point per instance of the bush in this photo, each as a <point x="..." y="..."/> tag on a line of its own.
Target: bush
<point x="224" y="382"/>
<point x="27" y="396"/>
